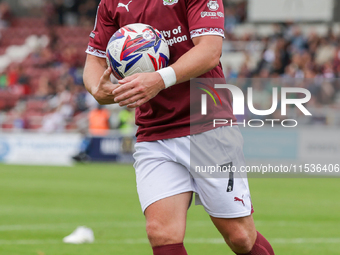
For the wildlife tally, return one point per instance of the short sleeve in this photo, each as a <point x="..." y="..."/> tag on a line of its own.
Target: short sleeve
<point x="205" y="17"/>
<point x="104" y="28"/>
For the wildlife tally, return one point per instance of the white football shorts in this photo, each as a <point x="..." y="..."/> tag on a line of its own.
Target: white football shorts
<point x="206" y="163"/>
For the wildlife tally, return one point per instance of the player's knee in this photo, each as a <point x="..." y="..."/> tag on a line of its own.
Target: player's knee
<point x="160" y="234"/>
<point x="241" y="242"/>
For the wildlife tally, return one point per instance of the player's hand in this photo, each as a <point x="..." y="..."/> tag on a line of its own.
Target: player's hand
<point x="103" y="91"/>
<point x="138" y="89"/>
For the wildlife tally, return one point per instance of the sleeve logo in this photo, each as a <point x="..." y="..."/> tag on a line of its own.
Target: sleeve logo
<point x="170" y="2"/>
<point x="213" y="13"/>
<point x="213" y="5"/>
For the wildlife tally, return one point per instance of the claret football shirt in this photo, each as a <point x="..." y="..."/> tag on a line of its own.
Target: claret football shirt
<point x="168" y="114"/>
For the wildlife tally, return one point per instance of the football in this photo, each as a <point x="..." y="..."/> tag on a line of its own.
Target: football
<point x="136" y="48"/>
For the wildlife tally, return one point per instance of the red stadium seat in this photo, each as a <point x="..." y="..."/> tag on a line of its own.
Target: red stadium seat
<point x="35" y="105"/>
<point x="2" y="50"/>
<point x="2" y="104"/>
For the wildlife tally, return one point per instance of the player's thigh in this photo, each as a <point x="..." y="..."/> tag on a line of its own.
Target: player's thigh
<point x="238" y="232"/>
<point x="158" y="176"/>
<point x="166" y="219"/>
<point x="165" y="191"/>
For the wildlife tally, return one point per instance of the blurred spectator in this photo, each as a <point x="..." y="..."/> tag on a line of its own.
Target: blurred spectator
<point x="70" y="12"/>
<point x="53" y="122"/>
<point x="235" y="12"/>
<point x="5" y="15"/>
<point x="3" y="80"/>
<point x="127" y="121"/>
<point x="60" y="11"/>
<point x="99" y="121"/>
<point x="230" y="73"/>
<point x="84" y="147"/>
<point x="325" y="52"/>
<point x="230" y="20"/>
<point x="88" y="12"/>
<point x="98" y="126"/>
<point x="298" y="41"/>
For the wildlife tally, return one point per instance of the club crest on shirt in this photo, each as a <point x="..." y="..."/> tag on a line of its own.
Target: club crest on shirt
<point x="213" y="5"/>
<point x="170" y="2"/>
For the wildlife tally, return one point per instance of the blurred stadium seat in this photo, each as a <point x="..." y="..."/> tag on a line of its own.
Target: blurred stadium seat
<point x="319" y="29"/>
<point x="243" y="29"/>
<point x="233" y="59"/>
<point x="265" y="30"/>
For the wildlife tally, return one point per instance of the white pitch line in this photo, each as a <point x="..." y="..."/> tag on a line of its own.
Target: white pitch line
<point x="273" y="240"/>
<point x="141" y="224"/>
<point x="304" y="240"/>
<point x="70" y="225"/>
<point x="32" y="227"/>
<point x="28" y="242"/>
<point x="187" y="240"/>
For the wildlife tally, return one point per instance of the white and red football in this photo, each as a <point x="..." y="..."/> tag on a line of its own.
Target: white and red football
<point x="136" y="48"/>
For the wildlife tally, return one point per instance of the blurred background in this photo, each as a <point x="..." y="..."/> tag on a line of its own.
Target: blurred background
<point x="267" y="43"/>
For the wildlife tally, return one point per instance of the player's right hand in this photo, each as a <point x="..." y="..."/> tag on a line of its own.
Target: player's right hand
<point x="103" y="91"/>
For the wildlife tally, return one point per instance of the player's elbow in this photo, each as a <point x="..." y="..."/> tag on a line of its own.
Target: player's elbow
<point x="214" y="59"/>
<point x="86" y="81"/>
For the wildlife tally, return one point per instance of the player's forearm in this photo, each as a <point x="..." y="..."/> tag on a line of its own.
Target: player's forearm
<point x="200" y="59"/>
<point x="97" y="80"/>
<point x="93" y="70"/>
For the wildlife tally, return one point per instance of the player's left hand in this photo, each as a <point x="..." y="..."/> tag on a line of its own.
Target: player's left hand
<point x="138" y="89"/>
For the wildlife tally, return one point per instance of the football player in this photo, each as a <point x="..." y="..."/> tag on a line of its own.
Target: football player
<point x="168" y="131"/>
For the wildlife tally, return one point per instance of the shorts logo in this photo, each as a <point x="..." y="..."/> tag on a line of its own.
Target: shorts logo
<point x="236" y="199"/>
<point x="170" y="2"/>
<point x="213" y="5"/>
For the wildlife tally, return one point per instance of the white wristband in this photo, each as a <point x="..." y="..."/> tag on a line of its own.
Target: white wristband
<point x="168" y="75"/>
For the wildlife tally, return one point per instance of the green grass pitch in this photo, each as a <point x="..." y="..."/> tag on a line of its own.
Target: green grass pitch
<point x="41" y="205"/>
